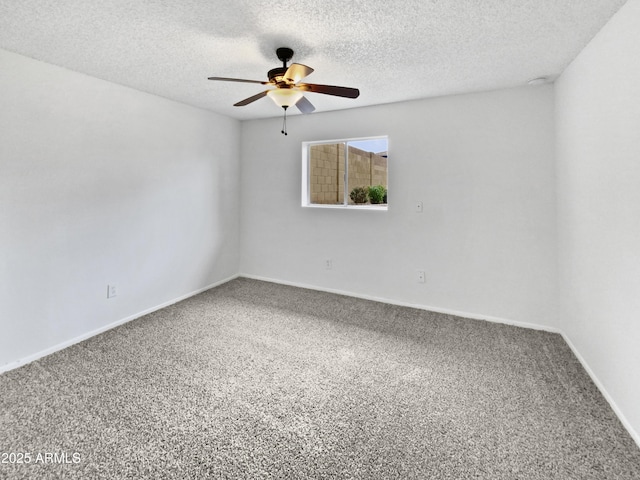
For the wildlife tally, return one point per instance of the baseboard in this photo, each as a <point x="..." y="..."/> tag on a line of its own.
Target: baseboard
<point x="457" y="313"/>
<point x="85" y="336"/>
<point x="603" y="391"/>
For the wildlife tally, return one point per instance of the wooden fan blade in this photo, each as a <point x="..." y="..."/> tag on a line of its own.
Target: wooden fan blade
<point x="330" y="90"/>
<point x="304" y="105"/>
<point x="224" y="79"/>
<point x="297" y="72"/>
<point x="247" y="101"/>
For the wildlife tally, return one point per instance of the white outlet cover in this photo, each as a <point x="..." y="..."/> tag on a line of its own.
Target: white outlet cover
<point x="112" y="290"/>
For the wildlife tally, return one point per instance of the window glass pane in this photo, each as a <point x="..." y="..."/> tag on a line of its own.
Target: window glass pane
<point x="367" y="167"/>
<point x="326" y="173"/>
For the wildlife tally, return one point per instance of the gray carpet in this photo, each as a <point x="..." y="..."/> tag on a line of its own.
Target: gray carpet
<point x="257" y="380"/>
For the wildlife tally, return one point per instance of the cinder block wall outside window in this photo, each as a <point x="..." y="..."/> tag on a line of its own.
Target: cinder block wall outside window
<point x="326" y="167"/>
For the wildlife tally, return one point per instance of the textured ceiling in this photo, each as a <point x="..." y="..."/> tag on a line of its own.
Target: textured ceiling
<point x="392" y="50"/>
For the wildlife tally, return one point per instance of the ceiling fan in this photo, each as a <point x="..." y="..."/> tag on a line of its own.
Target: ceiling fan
<point x="288" y="90"/>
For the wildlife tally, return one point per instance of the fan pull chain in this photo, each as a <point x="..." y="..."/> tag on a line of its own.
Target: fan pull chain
<point x="284" y="121"/>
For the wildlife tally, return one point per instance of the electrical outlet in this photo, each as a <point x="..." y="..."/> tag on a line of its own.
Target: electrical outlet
<point x="420" y="276"/>
<point x="418" y="206"/>
<point x="112" y="290"/>
<point x="328" y="264"/>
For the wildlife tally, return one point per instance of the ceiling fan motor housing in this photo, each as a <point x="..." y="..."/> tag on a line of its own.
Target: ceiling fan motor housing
<point x="276" y="75"/>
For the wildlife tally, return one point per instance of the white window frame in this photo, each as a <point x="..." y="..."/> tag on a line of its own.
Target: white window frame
<point x="306" y="178"/>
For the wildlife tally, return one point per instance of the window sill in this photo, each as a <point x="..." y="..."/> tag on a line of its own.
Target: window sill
<point x="377" y="208"/>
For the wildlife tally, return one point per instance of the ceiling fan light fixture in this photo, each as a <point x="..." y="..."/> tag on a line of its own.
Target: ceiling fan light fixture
<point x="285" y="97"/>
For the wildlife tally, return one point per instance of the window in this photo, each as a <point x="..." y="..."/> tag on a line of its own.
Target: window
<point x="345" y="173"/>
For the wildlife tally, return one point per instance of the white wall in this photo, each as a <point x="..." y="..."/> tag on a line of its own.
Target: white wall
<point x="103" y="184"/>
<point x="598" y="151"/>
<point x="483" y="164"/>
